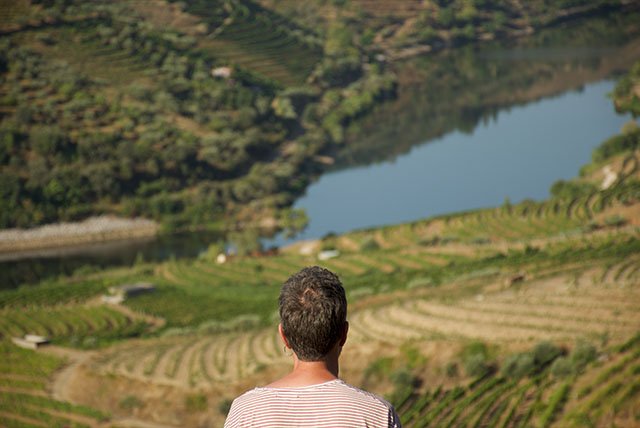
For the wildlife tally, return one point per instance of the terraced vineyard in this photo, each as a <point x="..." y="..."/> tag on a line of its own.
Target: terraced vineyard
<point x="556" y="271"/>
<point x="498" y="400"/>
<point x="195" y="360"/>
<point x="559" y="308"/>
<point x="381" y="8"/>
<point x="24" y="399"/>
<point x="259" y="40"/>
<point x="586" y="302"/>
<point x="611" y="388"/>
<point x="517" y="277"/>
<point x="77" y="324"/>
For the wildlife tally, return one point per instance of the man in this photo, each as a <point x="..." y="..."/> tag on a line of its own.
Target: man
<point x="313" y="324"/>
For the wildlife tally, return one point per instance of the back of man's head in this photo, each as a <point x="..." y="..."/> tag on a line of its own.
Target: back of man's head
<point x="313" y="312"/>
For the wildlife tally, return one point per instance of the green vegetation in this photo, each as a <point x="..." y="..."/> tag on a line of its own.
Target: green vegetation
<point x="131" y="118"/>
<point x="85" y="327"/>
<point x="536" y="398"/>
<point x="629" y="141"/>
<point x="436" y="24"/>
<point x="474" y="358"/>
<point x="626" y="97"/>
<point x="204" y="114"/>
<point x="196" y="402"/>
<point x="23" y="375"/>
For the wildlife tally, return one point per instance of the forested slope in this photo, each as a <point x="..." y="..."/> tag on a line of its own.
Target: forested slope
<point x="205" y="113"/>
<point x="107" y="109"/>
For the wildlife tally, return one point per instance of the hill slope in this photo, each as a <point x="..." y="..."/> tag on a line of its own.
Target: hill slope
<point x="520" y="315"/>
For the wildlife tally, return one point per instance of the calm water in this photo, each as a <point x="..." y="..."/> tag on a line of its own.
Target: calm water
<point x="518" y="155"/>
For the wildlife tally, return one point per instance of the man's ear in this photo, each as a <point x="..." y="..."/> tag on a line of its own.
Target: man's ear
<point x="282" y="336"/>
<point x="343" y="339"/>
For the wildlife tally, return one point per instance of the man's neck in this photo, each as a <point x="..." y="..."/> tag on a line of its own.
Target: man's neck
<point x="328" y="367"/>
<point x="306" y="373"/>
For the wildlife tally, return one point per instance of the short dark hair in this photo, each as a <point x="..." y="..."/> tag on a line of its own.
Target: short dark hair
<point x="313" y="312"/>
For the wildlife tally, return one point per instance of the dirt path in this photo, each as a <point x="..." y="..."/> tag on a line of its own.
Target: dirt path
<point x="62" y="380"/>
<point x="155" y="322"/>
<point x="62" y="384"/>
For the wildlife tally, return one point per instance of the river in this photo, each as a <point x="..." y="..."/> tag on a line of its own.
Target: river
<point x="518" y="155"/>
<point x="468" y="129"/>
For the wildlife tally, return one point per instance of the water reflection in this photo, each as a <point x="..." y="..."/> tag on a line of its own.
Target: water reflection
<point x="55" y="262"/>
<point x="457" y="91"/>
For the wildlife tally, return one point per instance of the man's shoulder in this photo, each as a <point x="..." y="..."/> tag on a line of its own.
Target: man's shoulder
<point x="333" y="388"/>
<point x="335" y="399"/>
<point x="360" y="394"/>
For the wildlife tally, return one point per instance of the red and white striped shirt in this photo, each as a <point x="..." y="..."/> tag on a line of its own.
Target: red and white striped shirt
<point x="330" y="404"/>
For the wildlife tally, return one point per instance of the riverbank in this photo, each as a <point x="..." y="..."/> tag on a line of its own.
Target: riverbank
<point x="101" y="229"/>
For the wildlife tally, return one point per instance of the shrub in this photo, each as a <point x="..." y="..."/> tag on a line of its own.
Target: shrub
<point x="615" y="221"/>
<point x="428" y="242"/>
<point x="403" y="378"/>
<point x="480" y="240"/>
<point x="130" y="402"/>
<point x="475" y="359"/>
<point x="89" y="342"/>
<point x="428" y="34"/>
<point x="196" y="402"/>
<point x="369" y="244"/>
<point x="519" y="365"/>
<point x="477" y="366"/>
<point x="473" y="348"/>
<point x="570" y="189"/>
<point x="379" y="368"/>
<point x="544" y="353"/>
<point x="630" y="127"/>
<point x="620" y="143"/>
<point x="582" y="354"/>
<point x="224" y="406"/>
<point x="446" y="17"/>
<point x="448" y="239"/>
<point x="413" y="356"/>
<point x="451" y="370"/>
<point x="48" y="140"/>
<point x="562" y="367"/>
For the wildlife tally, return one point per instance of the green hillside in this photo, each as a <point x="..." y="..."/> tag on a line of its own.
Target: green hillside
<point x="205" y="114"/>
<point x="519" y="315"/>
<point x="176" y="115"/>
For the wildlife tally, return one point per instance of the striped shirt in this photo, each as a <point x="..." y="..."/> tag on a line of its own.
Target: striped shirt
<point x="330" y="404"/>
